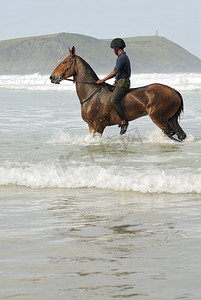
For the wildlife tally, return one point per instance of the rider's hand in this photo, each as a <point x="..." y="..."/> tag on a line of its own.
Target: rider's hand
<point x="100" y="81"/>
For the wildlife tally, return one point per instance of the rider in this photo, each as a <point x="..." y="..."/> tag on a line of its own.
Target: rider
<point x="122" y="73"/>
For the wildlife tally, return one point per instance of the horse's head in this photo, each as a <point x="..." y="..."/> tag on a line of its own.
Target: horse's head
<point x="65" y="69"/>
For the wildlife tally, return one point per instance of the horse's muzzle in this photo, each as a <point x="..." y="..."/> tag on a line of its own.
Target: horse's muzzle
<point x="55" y="79"/>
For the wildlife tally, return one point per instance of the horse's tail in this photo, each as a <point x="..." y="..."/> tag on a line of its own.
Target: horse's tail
<point x="173" y="121"/>
<point x="181" y="108"/>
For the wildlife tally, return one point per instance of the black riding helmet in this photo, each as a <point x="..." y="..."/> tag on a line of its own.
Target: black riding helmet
<point x="118" y="43"/>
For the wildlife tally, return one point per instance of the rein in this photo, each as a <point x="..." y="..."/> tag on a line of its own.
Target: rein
<point x="74" y="81"/>
<point x="94" y="93"/>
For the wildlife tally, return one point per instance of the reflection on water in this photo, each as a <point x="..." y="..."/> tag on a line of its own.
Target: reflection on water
<point x="91" y="244"/>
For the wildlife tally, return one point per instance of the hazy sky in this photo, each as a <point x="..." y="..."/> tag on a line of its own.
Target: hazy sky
<point x="177" y="20"/>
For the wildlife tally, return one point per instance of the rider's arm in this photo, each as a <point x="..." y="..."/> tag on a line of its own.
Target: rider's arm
<point x="109" y="76"/>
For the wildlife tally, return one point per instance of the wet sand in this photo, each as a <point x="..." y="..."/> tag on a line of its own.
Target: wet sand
<point x="99" y="244"/>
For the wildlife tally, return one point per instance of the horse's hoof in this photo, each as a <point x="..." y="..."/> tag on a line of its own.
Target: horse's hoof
<point x="123" y="128"/>
<point x="182" y="136"/>
<point x="171" y="133"/>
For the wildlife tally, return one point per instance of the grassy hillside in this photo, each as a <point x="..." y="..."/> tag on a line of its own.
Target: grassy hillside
<point x="43" y="53"/>
<point x="158" y="54"/>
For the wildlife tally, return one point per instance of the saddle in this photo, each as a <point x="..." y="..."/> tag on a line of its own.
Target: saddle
<point x="112" y="87"/>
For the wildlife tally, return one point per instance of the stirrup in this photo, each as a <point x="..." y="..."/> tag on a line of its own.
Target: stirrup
<point x="123" y="128"/>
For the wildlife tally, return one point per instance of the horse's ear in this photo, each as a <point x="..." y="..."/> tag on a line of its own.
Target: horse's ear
<point x="72" y="51"/>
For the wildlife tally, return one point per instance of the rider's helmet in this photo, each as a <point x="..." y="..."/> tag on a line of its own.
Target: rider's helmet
<point x="118" y="43"/>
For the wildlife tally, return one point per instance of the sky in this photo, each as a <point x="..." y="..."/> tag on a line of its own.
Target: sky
<point x="176" y="20"/>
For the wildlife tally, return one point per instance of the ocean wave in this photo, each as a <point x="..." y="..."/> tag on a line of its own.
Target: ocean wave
<point x="34" y="82"/>
<point x="73" y="176"/>
<point x="186" y="82"/>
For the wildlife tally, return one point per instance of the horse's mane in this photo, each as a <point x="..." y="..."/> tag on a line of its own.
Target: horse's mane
<point x="89" y="68"/>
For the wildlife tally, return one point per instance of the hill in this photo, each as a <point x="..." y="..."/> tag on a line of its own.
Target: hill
<point x="43" y="53"/>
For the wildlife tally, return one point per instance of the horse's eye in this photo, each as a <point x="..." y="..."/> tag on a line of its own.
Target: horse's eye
<point x="65" y="62"/>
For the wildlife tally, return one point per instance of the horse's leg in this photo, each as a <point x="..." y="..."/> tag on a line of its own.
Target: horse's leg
<point x="173" y="122"/>
<point x="95" y="130"/>
<point x="91" y="130"/>
<point x="162" y="123"/>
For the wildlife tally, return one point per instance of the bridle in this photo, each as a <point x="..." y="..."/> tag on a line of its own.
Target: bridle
<point x="68" y="67"/>
<point x="73" y="62"/>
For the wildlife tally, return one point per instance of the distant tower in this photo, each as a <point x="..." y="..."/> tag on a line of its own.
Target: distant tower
<point x="156" y="32"/>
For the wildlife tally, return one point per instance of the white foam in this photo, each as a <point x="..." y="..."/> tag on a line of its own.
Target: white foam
<point x="33" y="82"/>
<point x="185" y="82"/>
<point x="156" y="136"/>
<point x="181" y="81"/>
<point x="73" y="176"/>
<point x="61" y="137"/>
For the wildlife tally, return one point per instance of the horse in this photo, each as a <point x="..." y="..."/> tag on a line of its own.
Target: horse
<point x="162" y="103"/>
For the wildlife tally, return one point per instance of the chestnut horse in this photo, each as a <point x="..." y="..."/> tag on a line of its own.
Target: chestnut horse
<point x="162" y="103"/>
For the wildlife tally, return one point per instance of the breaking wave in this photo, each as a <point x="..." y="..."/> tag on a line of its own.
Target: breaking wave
<point x="68" y="171"/>
<point x="76" y="176"/>
<point x="180" y="81"/>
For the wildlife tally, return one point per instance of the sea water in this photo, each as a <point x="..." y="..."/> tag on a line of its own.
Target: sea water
<point x="87" y="217"/>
